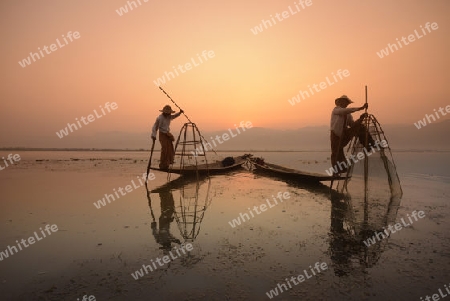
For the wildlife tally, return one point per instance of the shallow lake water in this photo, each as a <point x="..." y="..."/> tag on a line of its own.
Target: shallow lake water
<point x="96" y="250"/>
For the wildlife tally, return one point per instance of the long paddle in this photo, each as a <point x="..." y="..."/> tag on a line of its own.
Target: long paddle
<point x="150" y="160"/>
<point x="175" y="103"/>
<point x="201" y="136"/>
<point x="366" y="169"/>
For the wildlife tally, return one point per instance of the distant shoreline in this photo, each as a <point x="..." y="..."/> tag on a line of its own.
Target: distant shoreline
<point x="37" y="149"/>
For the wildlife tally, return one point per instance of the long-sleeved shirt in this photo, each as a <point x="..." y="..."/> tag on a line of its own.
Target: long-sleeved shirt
<point x="162" y="123"/>
<point x="337" y="119"/>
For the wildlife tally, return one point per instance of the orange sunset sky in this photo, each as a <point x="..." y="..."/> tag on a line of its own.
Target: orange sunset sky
<point x="251" y="77"/>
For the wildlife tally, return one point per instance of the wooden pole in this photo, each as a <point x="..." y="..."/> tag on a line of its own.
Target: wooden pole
<point x="366" y="168"/>
<point x="201" y="136"/>
<point x="175" y="103"/>
<point x="150" y="160"/>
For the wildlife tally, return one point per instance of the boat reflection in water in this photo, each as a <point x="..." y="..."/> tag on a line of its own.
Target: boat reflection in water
<point x="184" y="201"/>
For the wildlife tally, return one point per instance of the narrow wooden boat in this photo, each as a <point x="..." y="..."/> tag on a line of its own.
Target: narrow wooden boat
<point x="179" y="183"/>
<point x="213" y="168"/>
<point x="289" y="173"/>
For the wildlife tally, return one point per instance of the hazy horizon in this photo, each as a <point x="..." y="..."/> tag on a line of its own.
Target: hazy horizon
<point x="256" y="138"/>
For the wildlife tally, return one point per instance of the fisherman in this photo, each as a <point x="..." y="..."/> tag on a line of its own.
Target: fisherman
<point x="344" y="128"/>
<point x="166" y="139"/>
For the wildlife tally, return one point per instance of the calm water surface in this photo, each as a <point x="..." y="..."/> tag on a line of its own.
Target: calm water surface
<point x="95" y="250"/>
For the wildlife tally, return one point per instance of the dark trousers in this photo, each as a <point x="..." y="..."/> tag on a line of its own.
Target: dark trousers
<point x="167" y="151"/>
<point x="337" y="146"/>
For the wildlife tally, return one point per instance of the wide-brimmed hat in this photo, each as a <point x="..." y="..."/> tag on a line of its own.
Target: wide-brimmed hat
<point x="342" y="99"/>
<point x="167" y="109"/>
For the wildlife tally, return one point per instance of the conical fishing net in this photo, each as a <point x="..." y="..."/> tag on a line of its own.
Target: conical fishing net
<point x="190" y="150"/>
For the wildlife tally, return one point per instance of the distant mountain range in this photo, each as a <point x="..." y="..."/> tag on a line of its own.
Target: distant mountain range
<point x="434" y="136"/>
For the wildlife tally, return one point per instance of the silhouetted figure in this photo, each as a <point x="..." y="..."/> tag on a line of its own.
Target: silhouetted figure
<point x="166" y="139"/>
<point x="343" y="128"/>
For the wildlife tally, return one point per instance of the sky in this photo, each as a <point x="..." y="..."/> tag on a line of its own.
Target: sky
<point x="242" y="76"/>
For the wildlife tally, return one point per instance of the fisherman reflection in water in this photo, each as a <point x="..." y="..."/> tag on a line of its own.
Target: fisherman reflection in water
<point x="163" y="235"/>
<point x="166" y="139"/>
<point x="341" y="241"/>
<point x="344" y="128"/>
<point x="346" y="243"/>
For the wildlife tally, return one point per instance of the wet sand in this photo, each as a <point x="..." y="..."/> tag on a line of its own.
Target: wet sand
<point x="96" y="250"/>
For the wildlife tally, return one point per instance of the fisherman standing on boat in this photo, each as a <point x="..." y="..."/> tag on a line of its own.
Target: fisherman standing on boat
<point x="344" y="128"/>
<point x="166" y="139"/>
